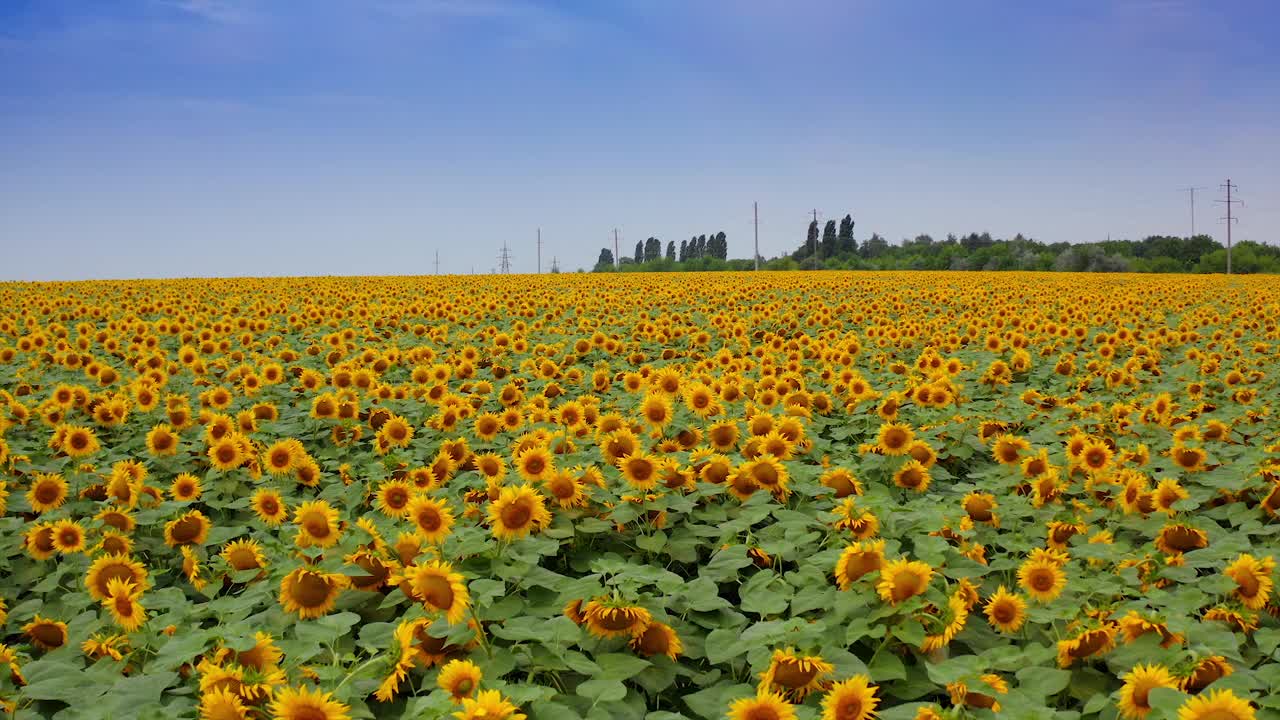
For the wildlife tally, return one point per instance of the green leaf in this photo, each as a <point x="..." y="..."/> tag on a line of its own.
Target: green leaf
<point x="620" y="666"/>
<point x="602" y="690"/>
<point x="1043" y="681"/>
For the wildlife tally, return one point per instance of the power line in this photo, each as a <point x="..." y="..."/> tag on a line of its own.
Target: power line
<point x="1230" y="218"/>
<point x="1192" y="202"/>
<point x="504" y="260"/>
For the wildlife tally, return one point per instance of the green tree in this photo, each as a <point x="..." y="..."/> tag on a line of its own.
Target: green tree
<point x="671" y="250"/>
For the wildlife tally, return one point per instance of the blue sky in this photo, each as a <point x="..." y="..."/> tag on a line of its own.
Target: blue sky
<point x="160" y="138"/>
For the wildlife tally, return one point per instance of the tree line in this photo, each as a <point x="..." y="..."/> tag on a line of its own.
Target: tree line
<point x="832" y="246"/>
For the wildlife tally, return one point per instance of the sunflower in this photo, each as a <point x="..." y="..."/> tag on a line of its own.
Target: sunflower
<point x="38" y="541"/>
<point x="1138" y="683"/>
<point x="77" y="441"/>
<point x="433" y="518"/>
<point x="657" y="639"/>
<point x="48" y="492"/>
<point x="269" y="507"/>
<point x="185" y="488"/>
<point x="640" y="470"/>
<point x="795" y="676"/>
<point x="1006" y="611"/>
<point x="440" y="588"/>
<point x="113" y="543"/>
<point x="764" y="706"/>
<point x="852" y="699"/>
<point x="374" y="570"/>
<point x="1206" y="672"/>
<point x="1043" y="580"/>
<point x="317" y="523"/>
<point x="609" y="618"/>
<point x="1096" y="456"/>
<point x="122" y="602"/>
<point x="1253" y="579"/>
<point x="491" y="466"/>
<point x="903" y="579"/>
<point x="162" y="440"/>
<point x="488" y="705"/>
<point x="862" y="523"/>
<point x="118" y="518"/>
<point x="1008" y="449"/>
<point x="842" y="481"/>
<point x="518" y="511"/>
<point x="1177" y="538"/>
<point x="68" y="537"/>
<point x="566" y="488"/>
<point x="190" y="529"/>
<point x="1216" y="705"/>
<point x="894" y="439"/>
<point x="912" y="476"/>
<point x="1087" y="644"/>
<point x="858" y="560"/>
<point x="242" y="555"/>
<point x="1190" y="459"/>
<point x="396" y="432"/>
<point x="459" y="679"/>
<point x="534" y="463"/>
<point x="958" y="612"/>
<point x="1134" y="626"/>
<point x="768" y="473"/>
<point x="1168" y="492"/>
<point x="310" y="593"/>
<point x="282" y="457"/>
<point x="980" y="507"/>
<point x="45" y="633"/>
<point x="106" y="568"/>
<point x="656" y="410"/>
<point x="221" y="703"/>
<point x="226" y="453"/>
<point x="304" y="703"/>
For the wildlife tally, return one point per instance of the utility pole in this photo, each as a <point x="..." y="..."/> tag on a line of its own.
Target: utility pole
<point x="437" y="262"/>
<point x="617" y="260"/>
<point x="1192" y="192"/>
<point x="504" y="260"/>
<point x="1230" y="218"/>
<point x="539" y="251"/>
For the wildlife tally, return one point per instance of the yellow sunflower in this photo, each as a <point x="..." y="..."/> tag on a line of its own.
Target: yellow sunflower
<point x="45" y="633"/>
<point x="303" y="703"/>
<point x="48" y="492"/>
<point x="535" y="463"/>
<point x="1253" y="579"/>
<point x="1216" y="705"/>
<point x="795" y="676"/>
<point x="657" y="639"/>
<point x="123" y="603"/>
<point x="439" y="588"/>
<point x="764" y="706"/>
<point x="852" y="699"/>
<point x="1006" y="611"/>
<point x="1138" y="684"/>
<point x="317" y="523"/>
<point x="432" y="517"/>
<point x="903" y="579"/>
<point x="1043" y="580"/>
<point x="609" y="618"/>
<point x="518" y="511"/>
<point x="68" y="536"/>
<point x="894" y="439"/>
<point x="310" y="593"/>
<point x="912" y="476"/>
<point x="460" y="679"/>
<point x="269" y="507"/>
<point x="106" y="568"/>
<point x="189" y="529"/>
<point x="185" y="488"/>
<point x="488" y="705"/>
<point x="858" y="560"/>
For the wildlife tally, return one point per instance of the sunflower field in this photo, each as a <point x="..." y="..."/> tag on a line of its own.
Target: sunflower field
<point x="755" y="496"/>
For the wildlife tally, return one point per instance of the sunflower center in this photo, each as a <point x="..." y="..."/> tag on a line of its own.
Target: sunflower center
<point x="226" y="453"/>
<point x="1248" y="582"/>
<point x="849" y="708"/>
<point x="463" y="687"/>
<point x="1042" y="580"/>
<point x="69" y="537"/>
<point x="765" y="474"/>
<point x="242" y="559"/>
<point x="311" y="590"/>
<point x="316" y="525"/>
<point x="280" y="458"/>
<point x="79" y="441"/>
<point x="187" y="530"/>
<point x="124" y="606"/>
<point x="429" y="520"/>
<point x="308" y="712"/>
<point x="47" y="634"/>
<point x="792" y="674"/>
<point x="640" y="469"/>
<point x="47" y="493"/>
<point x="437" y="592"/>
<point x="907" y="585"/>
<point x="535" y="465"/>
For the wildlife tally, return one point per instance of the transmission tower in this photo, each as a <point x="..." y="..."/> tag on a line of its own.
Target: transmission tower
<point x="504" y="260"/>
<point x="1231" y="219"/>
<point x="555" y="265"/>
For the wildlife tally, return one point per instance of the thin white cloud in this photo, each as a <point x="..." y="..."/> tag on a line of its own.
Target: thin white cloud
<point x="226" y="12"/>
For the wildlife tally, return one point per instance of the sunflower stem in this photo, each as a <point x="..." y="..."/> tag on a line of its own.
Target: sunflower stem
<point x="356" y="671"/>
